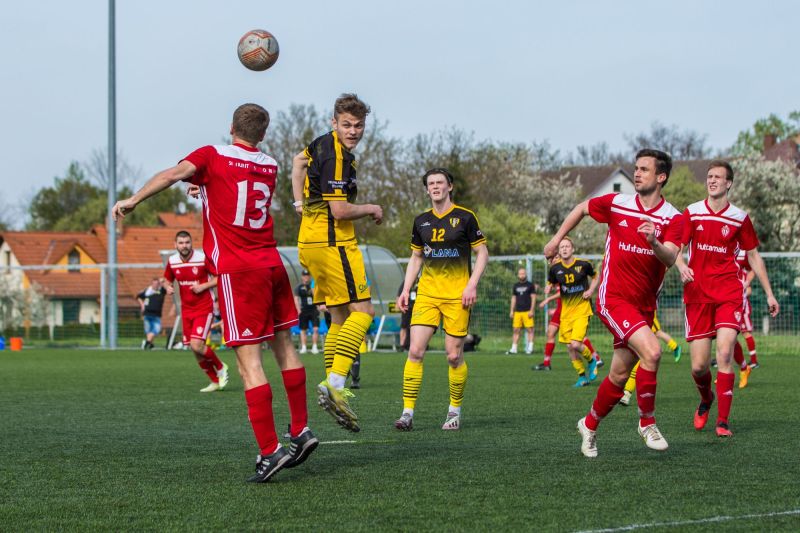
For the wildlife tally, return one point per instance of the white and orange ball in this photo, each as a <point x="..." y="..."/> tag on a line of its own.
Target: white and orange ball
<point x="258" y="50"/>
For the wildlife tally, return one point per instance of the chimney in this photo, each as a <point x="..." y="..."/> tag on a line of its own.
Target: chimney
<point x="769" y="141"/>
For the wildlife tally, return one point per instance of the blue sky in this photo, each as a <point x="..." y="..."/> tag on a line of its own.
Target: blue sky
<point x="571" y="72"/>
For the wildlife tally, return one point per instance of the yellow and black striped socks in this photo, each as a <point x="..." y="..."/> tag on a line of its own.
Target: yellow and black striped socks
<point x="330" y="346"/>
<point x="412" y="381"/>
<point x="458" y="380"/>
<point x="348" y="342"/>
<point x="586" y="353"/>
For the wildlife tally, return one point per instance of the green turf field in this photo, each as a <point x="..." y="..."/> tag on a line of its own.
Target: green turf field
<point x="95" y="440"/>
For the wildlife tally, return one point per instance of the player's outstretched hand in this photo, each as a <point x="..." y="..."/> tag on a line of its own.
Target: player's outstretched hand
<point x="402" y="302"/>
<point x="193" y="191"/>
<point x="773" y="306"/>
<point x="687" y="274"/>
<point x="648" y="229"/>
<point x="122" y="208"/>
<point x="469" y="296"/>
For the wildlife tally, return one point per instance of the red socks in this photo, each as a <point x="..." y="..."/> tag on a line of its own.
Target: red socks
<point x="208" y="368"/>
<point x="646" y="396"/>
<point x="211" y="356"/>
<point x="724" y="396"/>
<point x="751" y="346"/>
<point x="704" y="387"/>
<point x="259" y="408"/>
<point x="608" y="395"/>
<point x="738" y="355"/>
<point x="548" y="352"/>
<point x="294" y="381"/>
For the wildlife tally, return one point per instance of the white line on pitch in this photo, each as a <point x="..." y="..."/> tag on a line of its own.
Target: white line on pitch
<point x="712" y="519"/>
<point x="338" y="442"/>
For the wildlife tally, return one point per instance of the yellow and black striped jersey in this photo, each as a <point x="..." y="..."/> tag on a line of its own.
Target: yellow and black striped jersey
<point x="573" y="280"/>
<point x="330" y="177"/>
<point x="446" y="242"/>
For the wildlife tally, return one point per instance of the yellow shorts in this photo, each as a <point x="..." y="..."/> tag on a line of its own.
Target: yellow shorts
<point x="572" y="329"/>
<point x="656" y="327"/>
<point x="338" y="272"/>
<point x="431" y="311"/>
<point x="522" y="320"/>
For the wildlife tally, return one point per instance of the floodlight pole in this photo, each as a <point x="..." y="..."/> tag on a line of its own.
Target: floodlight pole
<point x="112" y="179"/>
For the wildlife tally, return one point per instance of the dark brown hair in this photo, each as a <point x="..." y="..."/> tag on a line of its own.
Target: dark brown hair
<point x="182" y="233"/>
<point x="250" y="122"/>
<point x="723" y="164"/>
<point x="663" y="161"/>
<point x="350" y="103"/>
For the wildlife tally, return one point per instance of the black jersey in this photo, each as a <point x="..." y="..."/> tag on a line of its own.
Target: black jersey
<point x="306" y="295"/>
<point x="153" y="301"/>
<point x="330" y="177"/>
<point x="573" y="280"/>
<point x="446" y="242"/>
<point x="523" y="290"/>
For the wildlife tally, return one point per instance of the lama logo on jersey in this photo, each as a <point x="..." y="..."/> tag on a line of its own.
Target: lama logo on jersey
<point x="442" y="253"/>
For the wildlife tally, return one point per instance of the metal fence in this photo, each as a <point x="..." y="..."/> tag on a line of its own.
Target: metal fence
<point x="50" y="324"/>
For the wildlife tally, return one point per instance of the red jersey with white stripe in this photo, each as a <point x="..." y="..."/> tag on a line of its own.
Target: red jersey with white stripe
<point x="713" y="241"/>
<point x="236" y="185"/>
<point x="188" y="273"/>
<point x="631" y="273"/>
<point x="744" y="264"/>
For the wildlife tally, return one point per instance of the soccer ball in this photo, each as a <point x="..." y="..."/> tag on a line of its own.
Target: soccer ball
<point x="258" y="50"/>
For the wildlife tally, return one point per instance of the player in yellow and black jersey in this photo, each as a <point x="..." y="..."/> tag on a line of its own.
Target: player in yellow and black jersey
<point x="577" y="281"/>
<point x="442" y="240"/>
<point x="324" y="188"/>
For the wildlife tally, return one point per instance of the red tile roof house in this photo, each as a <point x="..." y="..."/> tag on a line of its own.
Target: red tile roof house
<point x="73" y="295"/>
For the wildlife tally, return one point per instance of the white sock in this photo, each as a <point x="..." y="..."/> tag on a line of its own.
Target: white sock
<point x="336" y="381"/>
<point x="409" y="411"/>
<point x="456" y="410"/>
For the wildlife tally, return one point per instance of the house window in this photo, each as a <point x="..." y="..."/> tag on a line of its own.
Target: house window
<point x="74" y="258"/>
<point x="71" y="310"/>
<point x="8" y="258"/>
<point x="617" y="187"/>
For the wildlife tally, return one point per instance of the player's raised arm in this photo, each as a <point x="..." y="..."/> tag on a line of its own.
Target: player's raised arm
<point x="757" y="266"/>
<point x="573" y="219"/>
<point x="299" y="165"/>
<point x="155" y="185"/>
<point x="666" y="252"/>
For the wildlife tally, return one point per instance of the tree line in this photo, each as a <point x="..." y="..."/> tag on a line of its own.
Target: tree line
<point x="516" y="188"/>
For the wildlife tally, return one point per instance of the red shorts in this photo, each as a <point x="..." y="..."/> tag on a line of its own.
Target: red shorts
<point x="555" y="320"/>
<point x="623" y="319"/>
<point x="746" y="325"/>
<point x="255" y="304"/>
<point x="703" y="320"/>
<point x="196" y="326"/>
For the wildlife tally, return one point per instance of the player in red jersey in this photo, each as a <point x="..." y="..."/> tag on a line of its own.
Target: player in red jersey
<point x="236" y="184"/>
<point x="643" y="237"/>
<point x="714" y="232"/>
<point x="188" y="267"/>
<point x="747" y="276"/>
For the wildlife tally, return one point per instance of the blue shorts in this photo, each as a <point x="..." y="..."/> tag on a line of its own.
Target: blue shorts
<point x="152" y="324"/>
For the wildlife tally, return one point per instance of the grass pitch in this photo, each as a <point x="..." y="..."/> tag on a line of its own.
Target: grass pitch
<point x="95" y="440"/>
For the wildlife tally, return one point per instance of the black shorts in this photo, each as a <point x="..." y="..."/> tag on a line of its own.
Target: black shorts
<point x="405" y="318"/>
<point x="307" y="317"/>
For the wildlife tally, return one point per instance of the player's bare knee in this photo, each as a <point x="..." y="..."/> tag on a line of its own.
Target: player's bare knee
<point x="454" y="359"/>
<point x="416" y="353"/>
